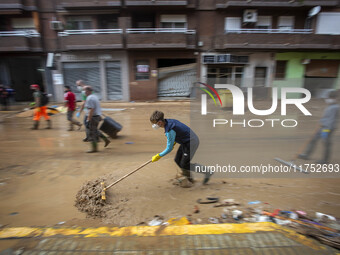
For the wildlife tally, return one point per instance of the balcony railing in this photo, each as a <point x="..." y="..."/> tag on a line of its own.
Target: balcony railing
<point x="91" y="39"/>
<point x="286" y="41"/>
<point x="188" y="3"/>
<point x="87" y="3"/>
<point x="160" y="38"/>
<point x="273" y="3"/>
<point x="269" y="31"/>
<point x="14" y="41"/>
<point x="17" y="5"/>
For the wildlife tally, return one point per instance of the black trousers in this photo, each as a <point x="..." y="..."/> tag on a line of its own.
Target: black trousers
<point x="186" y="152"/>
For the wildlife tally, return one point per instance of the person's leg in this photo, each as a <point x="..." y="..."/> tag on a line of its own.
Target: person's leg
<point x="93" y="134"/>
<point x="36" y="118"/>
<point x="47" y="118"/>
<point x="105" y="139"/>
<point x="87" y="131"/>
<point x="69" y="118"/>
<point x="311" y="146"/>
<point x="327" y="149"/>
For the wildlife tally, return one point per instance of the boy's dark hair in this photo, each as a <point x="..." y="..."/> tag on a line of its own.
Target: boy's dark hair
<point x="333" y="94"/>
<point x="67" y="87"/>
<point x="157" y="116"/>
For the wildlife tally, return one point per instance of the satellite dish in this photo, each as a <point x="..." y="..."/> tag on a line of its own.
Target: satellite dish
<point x="314" y="11"/>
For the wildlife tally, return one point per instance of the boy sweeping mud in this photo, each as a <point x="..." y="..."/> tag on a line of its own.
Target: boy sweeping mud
<point x="177" y="132"/>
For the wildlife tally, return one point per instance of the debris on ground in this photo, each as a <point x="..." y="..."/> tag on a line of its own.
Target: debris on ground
<point x="89" y="200"/>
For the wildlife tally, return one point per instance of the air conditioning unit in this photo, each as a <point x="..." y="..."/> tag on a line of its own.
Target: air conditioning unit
<point x="56" y="25"/>
<point x="250" y="16"/>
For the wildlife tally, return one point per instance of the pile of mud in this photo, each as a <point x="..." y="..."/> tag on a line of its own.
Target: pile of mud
<point x="89" y="200"/>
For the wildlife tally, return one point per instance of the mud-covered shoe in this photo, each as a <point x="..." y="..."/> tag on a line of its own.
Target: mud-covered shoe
<point x="303" y="156"/>
<point x="207" y="178"/>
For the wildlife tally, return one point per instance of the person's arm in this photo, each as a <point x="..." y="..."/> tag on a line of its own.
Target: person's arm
<point x="171" y="135"/>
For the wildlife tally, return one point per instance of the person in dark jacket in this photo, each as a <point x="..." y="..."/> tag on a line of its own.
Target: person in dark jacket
<point x="177" y="132"/>
<point x="328" y="124"/>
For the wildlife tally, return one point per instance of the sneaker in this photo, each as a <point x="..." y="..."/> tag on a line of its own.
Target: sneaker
<point x="303" y="156"/>
<point x="85" y="139"/>
<point x="107" y="142"/>
<point x="207" y="178"/>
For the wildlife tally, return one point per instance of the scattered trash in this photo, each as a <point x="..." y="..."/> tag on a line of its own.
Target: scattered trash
<point x="301" y="213"/>
<point x="237" y="214"/>
<point x="209" y="200"/>
<point x="324" y="217"/>
<point x="262" y="218"/>
<point x="282" y="222"/>
<point x="178" y="221"/>
<point x="224" y="216"/>
<point x="213" y="220"/>
<point x="254" y="202"/>
<point x="289" y="214"/>
<point x="157" y="220"/>
<point x="61" y="222"/>
<point x="13" y="213"/>
<point x="129" y="143"/>
<point x="227" y="202"/>
<point x="196" y="209"/>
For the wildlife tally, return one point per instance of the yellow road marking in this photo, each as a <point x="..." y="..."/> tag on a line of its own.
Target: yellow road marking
<point x="209" y="229"/>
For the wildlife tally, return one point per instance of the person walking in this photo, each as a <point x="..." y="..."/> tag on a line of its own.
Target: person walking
<point x="328" y="124"/>
<point x="70" y="103"/>
<point x="40" y="109"/>
<point x="93" y="119"/>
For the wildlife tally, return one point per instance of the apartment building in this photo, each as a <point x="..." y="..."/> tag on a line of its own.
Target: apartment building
<point x="148" y="49"/>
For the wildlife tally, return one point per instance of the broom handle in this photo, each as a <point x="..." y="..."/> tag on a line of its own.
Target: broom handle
<point x="122" y="178"/>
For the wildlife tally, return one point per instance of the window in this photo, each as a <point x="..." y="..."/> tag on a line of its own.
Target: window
<point x="108" y="22"/>
<point x="328" y="23"/>
<point x="260" y="76"/>
<point x="173" y="21"/>
<point x="142" y="70"/>
<point x="264" y="22"/>
<point x="23" y="24"/>
<point x="232" y="23"/>
<point x="225" y="75"/>
<point x="79" y="23"/>
<point x="280" y="69"/>
<point x="286" y="23"/>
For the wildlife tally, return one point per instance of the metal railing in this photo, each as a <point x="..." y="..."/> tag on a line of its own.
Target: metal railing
<point x="90" y="32"/>
<point x="268" y="31"/>
<point x="27" y="33"/>
<point x="159" y="30"/>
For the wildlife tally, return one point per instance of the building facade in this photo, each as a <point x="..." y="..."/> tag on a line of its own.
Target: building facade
<point x="148" y="49"/>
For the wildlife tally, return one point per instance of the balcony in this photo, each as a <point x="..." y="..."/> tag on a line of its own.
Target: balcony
<point x="16" y="6"/>
<point x="91" y="39"/>
<point x="274" y="3"/>
<point x="276" y="39"/>
<point x="188" y="3"/>
<point x="87" y="4"/>
<point x="156" y="38"/>
<point x="20" y="41"/>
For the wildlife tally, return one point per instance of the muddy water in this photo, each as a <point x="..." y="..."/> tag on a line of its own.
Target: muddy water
<point x="42" y="171"/>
